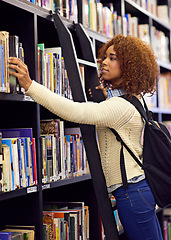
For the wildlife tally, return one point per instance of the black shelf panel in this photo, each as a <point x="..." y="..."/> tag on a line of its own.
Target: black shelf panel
<point x="66" y="182"/>
<point x="166" y="65"/>
<point x="161" y="111"/>
<point x="97" y="36"/>
<point x="18" y="193"/>
<point x="14" y="97"/>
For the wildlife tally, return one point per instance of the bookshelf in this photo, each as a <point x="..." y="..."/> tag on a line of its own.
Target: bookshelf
<point x="34" y="25"/>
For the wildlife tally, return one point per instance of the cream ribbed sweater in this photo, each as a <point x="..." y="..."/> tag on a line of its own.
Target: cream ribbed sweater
<point x="114" y="113"/>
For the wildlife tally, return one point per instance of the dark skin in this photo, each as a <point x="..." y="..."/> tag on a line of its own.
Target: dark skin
<point x="21" y="73"/>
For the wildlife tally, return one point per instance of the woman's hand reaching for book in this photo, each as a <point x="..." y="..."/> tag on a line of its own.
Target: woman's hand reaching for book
<point x="21" y="72"/>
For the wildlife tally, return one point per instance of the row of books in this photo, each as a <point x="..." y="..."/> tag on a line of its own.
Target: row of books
<point x="17" y="159"/>
<point x="91" y="9"/>
<point x="15" y="232"/>
<point x="160" y="11"/>
<point x="158" y="39"/>
<point x="164" y="91"/>
<point x="62" y="151"/>
<point x="103" y="18"/>
<point x="162" y="98"/>
<point x="66" y="220"/>
<point x="66" y="8"/>
<point x="52" y="72"/>
<point x="10" y="46"/>
<point x="167" y="229"/>
<point x="167" y="224"/>
<point x="99" y="17"/>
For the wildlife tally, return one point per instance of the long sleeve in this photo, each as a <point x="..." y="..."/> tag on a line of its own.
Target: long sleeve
<point x="107" y="113"/>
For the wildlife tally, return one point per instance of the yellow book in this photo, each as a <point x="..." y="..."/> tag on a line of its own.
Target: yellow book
<point x="51" y="67"/>
<point x="4" y="38"/>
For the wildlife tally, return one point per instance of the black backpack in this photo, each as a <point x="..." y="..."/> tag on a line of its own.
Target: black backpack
<point x="156" y="155"/>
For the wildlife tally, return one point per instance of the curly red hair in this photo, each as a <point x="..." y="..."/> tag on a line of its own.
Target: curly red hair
<point x="140" y="72"/>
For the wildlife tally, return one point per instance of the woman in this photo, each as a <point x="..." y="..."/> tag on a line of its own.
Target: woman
<point x="128" y="65"/>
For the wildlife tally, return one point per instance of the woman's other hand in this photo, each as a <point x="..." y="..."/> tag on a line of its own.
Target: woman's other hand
<point x="103" y="89"/>
<point x="21" y="72"/>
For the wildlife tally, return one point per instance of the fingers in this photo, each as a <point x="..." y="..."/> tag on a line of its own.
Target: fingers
<point x="103" y="89"/>
<point x="17" y="61"/>
<point x="17" y="65"/>
<point x="90" y="92"/>
<point x="20" y="70"/>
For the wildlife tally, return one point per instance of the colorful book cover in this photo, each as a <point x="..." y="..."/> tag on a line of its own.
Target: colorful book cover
<point x="34" y="158"/>
<point x="20" y="133"/>
<point x="57" y="53"/>
<point x="2" y="70"/>
<point x="6" y="169"/>
<point x="13" y="52"/>
<point x="5" y="236"/>
<point x="8" y="142"/>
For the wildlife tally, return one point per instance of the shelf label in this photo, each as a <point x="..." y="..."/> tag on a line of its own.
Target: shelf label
<point x="32" y="189"/>
<point x="46" y="186"/>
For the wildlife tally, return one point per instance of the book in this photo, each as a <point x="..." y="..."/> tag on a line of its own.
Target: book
<point x="6" y="169"/>
<point x="143" y="32"/>
<point x="54" y="129"/>
<point x="41" y="63"/>
<point x="49" y="221"/>
<point x="134" y="23"/>
<point x="27" y="232"/>
<point x="5" y="236"/>
<point x="14" y="52"/>
<point x="26" y="156"/>
<point x="163" y="13"/>
<point x="56" y="68"/>
<point x="62" y="207"/>
<point x="17" y="235"/>
<point x="4" y="38"/>
<point x="15" y="158"/>
<point x="129" y="23"/>
<point x="1" y="66"/>
<point x="8" y="142"/>
<point x="1" y="164"/>
<point x="34" y="160"/>
<point x="100" y="26"/>
<point x="79" y="164"/>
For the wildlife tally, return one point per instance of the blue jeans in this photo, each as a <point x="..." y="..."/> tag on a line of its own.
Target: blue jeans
<point x="136" y="209"/>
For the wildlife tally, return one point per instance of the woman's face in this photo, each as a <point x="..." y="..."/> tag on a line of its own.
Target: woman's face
<point x="111" y="68"/>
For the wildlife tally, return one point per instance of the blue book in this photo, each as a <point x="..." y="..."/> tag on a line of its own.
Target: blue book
<point x="5" y="236"/>
<point x="8" y="142"/>
<point x="127" y="18"/>
<point x="2" y="67"/>
<point x="24" y="163"/>
<point x="74" y="155"/>
<point x="20" y="133"/>
<point x="20" y="163"/>
<point x="68" y="156"/>
<point x="28" y="164"/>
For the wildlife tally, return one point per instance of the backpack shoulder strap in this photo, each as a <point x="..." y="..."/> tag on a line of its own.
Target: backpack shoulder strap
<point x="138" y="105"/>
